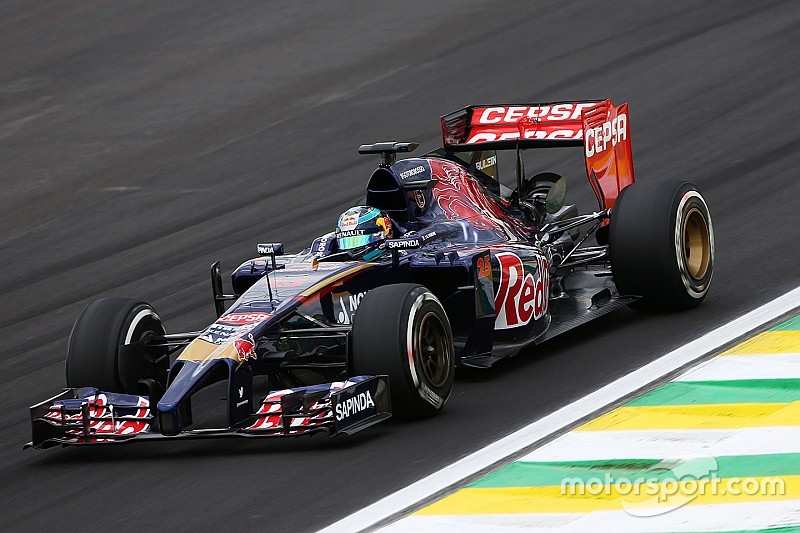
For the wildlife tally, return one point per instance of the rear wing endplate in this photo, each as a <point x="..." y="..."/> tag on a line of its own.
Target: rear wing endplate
<point x="607" y="149"/>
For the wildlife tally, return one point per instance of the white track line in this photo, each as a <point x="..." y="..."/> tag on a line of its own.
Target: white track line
<point x="409" y="497"/>
<point x="666" y="444"/>
<point x="734" y="367"/>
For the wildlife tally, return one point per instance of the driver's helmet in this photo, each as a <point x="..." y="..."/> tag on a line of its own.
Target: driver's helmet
<point x="361" y="226"/>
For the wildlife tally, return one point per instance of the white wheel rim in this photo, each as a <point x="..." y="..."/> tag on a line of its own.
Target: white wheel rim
<point x="683" y="217"/>
<point x="135" y="322"/>
<point x="424" y="391"/>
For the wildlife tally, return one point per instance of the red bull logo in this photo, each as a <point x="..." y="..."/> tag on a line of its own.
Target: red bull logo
<point x="245" y="348"/>
<point x="521" y="296"/>
<point x="349" y="222"/>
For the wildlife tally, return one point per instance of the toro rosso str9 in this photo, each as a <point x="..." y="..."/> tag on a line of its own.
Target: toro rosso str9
<point x="454" y="269"/>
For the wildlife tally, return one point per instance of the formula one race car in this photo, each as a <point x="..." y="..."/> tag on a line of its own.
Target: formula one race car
<point x="442" y="267"/>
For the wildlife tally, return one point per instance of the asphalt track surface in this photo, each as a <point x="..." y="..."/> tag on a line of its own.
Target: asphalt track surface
<point x="140" y="141"/>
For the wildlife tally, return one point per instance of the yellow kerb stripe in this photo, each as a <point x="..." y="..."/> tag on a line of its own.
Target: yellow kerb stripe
<point x="716" y="416"/>
<point x="769" y="342"/>
<point x="668" y="495"/>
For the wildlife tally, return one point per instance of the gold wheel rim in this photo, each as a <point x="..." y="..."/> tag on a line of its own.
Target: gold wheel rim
<point x="696" y="244"/>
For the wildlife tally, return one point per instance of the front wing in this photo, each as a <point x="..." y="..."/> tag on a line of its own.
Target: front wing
<point x="88" y="416"/>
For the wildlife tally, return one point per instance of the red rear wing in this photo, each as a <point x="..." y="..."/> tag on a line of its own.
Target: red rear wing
<point x="503" y="126"/>
<point x="607" y="147"/>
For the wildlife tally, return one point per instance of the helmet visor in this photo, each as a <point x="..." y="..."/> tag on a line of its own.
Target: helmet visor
<point x="357" y="241"/>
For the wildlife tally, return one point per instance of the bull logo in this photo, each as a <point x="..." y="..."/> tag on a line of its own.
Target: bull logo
<point x="245" y="348"/>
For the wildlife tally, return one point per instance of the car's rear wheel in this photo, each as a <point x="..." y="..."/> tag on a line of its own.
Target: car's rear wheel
<point x="402" y="331"/>
<point x="662" y="244"/>
<point x="96" y="357"/>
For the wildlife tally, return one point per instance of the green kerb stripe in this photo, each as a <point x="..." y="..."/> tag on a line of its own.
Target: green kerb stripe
<point x="549" y="474"/>
<point x="791" y="324"/>
<point x="713" y="392"/>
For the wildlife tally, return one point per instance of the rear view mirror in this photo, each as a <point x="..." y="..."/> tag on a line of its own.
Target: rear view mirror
<point x="556" y="196"/>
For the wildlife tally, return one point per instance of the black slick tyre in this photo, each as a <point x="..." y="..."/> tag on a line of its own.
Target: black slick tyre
<point x="93" y="355"/>
<point x="402" y="331"/>
<point x="662" y="244"/>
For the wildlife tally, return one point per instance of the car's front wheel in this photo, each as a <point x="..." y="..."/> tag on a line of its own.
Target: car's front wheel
<point x="402" y="331"/>
<point x="95" y="355"/>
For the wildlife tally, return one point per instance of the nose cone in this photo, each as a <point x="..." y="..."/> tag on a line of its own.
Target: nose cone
<point x="201" y="350"/>
<point x="232" y="336"/>
<point x="190" y="375"/>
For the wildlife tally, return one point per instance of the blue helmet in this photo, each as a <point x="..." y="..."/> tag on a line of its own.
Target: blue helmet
<point x="361" y="226"/>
